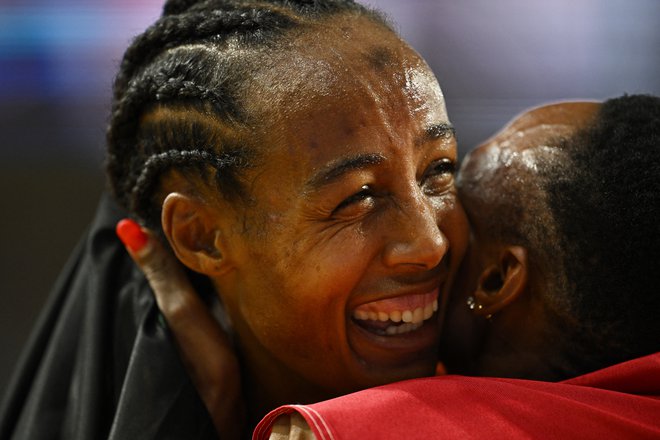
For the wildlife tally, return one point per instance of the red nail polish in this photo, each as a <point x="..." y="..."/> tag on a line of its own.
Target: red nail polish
<point x="130" y="233"/>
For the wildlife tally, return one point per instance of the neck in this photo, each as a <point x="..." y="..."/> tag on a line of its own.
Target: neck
<point x="268" y="384"/>
<point x="522" y="343"/>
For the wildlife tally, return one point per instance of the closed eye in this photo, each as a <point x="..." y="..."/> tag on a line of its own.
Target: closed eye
<point x="356" y="203"/>
<point x="439" y="177"/>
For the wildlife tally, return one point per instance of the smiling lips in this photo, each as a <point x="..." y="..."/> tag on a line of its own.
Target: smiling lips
<point x="395" y="316"/>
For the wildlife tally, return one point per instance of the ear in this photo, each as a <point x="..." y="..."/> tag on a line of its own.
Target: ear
<point x="501" y="283"/>
<point x="193" y="229"/>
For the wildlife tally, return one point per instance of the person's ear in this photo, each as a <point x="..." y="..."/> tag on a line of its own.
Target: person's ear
<point x="194" y="231"/>
<point x="501" y="283"/>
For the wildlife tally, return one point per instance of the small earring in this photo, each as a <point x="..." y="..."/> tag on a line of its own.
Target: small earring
<point x="472" y="304"/>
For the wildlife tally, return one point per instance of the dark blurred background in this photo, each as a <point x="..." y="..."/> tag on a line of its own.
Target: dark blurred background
<point x="57" y="60"/>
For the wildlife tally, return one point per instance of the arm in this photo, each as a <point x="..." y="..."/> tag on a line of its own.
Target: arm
<point x="204" y="347"/>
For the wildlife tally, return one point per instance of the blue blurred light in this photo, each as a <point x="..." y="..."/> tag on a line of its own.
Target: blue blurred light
<point x="69" y="49"/>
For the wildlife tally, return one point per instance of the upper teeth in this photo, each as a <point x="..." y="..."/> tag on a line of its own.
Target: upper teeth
<point x="408" y="316"/>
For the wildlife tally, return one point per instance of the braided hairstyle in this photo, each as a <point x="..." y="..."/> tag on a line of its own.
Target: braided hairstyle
<point x="178" y="99"/>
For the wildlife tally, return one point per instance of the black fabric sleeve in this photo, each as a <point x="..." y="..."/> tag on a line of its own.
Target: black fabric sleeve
<point x="100" y="362"/>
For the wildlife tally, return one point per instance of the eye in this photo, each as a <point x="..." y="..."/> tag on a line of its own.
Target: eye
<point x="439" y="176"/>
<point x="356" y="203"/>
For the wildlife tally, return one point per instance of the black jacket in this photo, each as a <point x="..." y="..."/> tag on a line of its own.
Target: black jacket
<point x="101" y="363"/>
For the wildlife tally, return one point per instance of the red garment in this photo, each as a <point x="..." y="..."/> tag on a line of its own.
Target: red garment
<point x="619" y="402"/>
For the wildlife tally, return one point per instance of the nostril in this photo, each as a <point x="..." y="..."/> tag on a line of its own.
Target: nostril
<point x="415" y="238"/>
<point x="422" y="249"/>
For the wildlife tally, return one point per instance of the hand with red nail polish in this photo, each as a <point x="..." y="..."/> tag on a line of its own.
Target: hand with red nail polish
<point x="202" y="343"/>
<point x="132" y="235"/>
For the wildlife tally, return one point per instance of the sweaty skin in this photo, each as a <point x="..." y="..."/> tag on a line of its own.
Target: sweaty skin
<point x="522" y="140"/>
<point x="352" y="209"/>
<point x="527" y="133"/>
<point x="355" y="209"/>
<point x="473" y="345"/>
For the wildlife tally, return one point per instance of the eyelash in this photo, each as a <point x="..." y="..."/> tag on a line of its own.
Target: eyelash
<point x="438" y="168"/>
<point x="442" y="167"/>
<point x="447" y="166"/>
<point x="365" y="191"/>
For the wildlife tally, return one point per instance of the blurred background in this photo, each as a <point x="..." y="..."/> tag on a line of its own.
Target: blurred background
<point x="58" y="58"/>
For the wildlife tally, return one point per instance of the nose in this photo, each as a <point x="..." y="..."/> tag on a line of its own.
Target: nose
<point x="416" y="240"/>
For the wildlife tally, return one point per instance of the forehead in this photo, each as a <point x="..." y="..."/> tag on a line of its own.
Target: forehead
<point x="531" y="133"/>
<point x="537" y="126"/>
<point x="340" y="57"/>
<point x="348" y="83"/>
<point x="519" y="147"/>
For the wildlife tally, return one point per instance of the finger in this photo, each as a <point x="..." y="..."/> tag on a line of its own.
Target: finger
<point x="165" y="274"/>
<point x="176" y="298"/>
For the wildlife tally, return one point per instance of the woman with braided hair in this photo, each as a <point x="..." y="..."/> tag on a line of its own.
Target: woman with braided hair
<point x="297" y="158"/>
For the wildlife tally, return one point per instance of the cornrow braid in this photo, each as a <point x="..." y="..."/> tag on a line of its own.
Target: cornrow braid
<point x="187" y="159"/>
<point x="301" y="6"/>
<point x="177" y="6"/>
<point x="167" y="84"/>
<point x="178" y="94"/>
<point x="214" y="26"/>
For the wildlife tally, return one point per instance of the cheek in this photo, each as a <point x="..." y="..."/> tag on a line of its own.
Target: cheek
<point x="454" y="225"/>
<point x="300" y="294"/>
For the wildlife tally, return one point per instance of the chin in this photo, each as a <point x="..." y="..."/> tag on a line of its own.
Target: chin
<point x="423" y="366"/>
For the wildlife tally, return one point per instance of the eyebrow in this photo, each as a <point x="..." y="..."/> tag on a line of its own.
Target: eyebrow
<point x="336" y="169"/>
<point x="437" y="131"/>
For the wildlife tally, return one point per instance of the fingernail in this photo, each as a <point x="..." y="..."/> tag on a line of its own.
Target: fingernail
<point x="130" y="233"/>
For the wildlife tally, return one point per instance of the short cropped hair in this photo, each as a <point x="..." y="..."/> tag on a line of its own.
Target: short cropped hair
<point x="606" y="208"/>
<point x="586" y="208"/>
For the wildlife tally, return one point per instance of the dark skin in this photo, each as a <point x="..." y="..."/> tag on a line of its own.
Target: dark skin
<point x="507" y="285"/>
<point x="372" y="173"/>
<point x="205" y="348"/>
<point x="520" y="322"/>
<point x="507" y="333"/>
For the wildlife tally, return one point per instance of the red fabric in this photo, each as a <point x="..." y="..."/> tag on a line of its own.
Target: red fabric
<point x="619" y="402"/>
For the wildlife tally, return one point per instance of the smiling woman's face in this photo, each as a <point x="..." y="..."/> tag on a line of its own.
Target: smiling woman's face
<point x="355" y="231"/>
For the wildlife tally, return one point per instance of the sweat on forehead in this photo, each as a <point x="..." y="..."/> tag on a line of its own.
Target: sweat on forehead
<point x="206" y="56"/>
<point x="531" y="137"/>
<point x="539" y="124"/>
<point x="327" y="58"/>
<point x="508" y="171"/>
